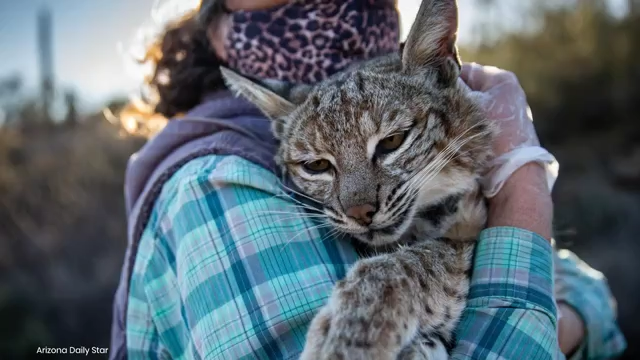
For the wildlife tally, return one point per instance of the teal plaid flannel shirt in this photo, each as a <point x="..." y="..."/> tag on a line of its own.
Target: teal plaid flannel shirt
<point x="229" y="269"/>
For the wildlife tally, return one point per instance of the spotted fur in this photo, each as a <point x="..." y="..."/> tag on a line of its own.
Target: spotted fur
<point x="404" y="299"/>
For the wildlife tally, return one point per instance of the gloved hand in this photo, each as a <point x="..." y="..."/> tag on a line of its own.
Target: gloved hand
<point x="504" y="101"/>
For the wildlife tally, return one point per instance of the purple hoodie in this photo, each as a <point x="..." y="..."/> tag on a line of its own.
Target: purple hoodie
<point x="223" y="125"/>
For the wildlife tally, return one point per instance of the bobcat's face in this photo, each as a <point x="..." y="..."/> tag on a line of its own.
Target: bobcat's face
<point x="382" y="150"/>
<point x="388" y="146"/>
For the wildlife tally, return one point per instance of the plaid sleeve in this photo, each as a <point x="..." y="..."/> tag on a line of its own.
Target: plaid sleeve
<point x="143" y="340"/>
<point x="586" y="291"/>
<point x="229" y="267"/>
<point x="511" y="313"/>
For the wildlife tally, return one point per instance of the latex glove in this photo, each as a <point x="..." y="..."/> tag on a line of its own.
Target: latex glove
<point x="500" y="94"/>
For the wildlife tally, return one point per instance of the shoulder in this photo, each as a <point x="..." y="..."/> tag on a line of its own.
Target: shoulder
<point x="195" y="204"/>
<point x="206" y="199"/>
<point x="199" y="194"/>
<point x="204" y="175"/>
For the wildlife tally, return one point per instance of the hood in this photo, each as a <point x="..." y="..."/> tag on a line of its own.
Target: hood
<point x="180" y="138"/>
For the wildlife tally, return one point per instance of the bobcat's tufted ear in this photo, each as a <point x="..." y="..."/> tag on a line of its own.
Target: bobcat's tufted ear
<point x="431" y="43"/>
<point x="274" y="106"/>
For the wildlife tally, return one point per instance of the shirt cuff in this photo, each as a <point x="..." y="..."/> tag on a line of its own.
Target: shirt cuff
<point x="513" y="266"/>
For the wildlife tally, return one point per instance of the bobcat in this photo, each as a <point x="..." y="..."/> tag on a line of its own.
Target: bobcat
<point x="392" y="149"/>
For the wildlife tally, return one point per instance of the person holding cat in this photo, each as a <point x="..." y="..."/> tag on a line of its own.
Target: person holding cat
<point x="223" y="264"/>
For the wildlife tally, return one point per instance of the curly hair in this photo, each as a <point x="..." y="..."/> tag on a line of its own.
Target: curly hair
<point x="184" y="67"/>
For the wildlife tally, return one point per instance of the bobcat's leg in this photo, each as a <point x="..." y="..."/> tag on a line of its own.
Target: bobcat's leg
<point x="386" y="301"/>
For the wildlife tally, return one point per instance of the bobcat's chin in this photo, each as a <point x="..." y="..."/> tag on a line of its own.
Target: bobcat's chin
<point x="376" y="238"/>
<point x="383" y="233"/>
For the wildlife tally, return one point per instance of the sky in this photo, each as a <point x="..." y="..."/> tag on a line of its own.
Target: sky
<point x="89" y="37"/>
<point x="86" y="34"/>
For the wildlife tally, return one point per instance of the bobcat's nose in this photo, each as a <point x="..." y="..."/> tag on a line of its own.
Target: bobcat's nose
<point x="363" y="214"/>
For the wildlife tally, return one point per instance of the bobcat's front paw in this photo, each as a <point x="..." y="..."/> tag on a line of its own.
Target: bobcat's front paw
<point x="332" y="336"/>
<point x="370" y="316"/>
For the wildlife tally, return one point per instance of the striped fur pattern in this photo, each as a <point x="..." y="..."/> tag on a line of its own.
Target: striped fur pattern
<point x="404" y="299"/>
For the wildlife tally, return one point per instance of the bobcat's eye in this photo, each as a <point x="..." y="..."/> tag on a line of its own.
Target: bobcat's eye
<point x="391" y="143"/>
<point x="317" y="167"/>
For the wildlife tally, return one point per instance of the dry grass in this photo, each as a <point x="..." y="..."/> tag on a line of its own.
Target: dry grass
<point x="62" y="232"/>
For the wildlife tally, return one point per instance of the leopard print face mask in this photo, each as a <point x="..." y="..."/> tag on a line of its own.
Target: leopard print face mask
<point x="306" y="41"/>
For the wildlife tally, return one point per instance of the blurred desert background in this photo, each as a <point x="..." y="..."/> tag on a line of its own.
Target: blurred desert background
<point x="65" y="71"/>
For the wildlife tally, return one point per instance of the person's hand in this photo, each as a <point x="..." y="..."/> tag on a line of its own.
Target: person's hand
<point x="516" y="183"/>
<point x="505" y="103"/>
<point x="504" y="100"/>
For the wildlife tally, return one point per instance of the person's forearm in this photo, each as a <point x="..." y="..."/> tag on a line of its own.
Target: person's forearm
<point x="524" y="202"/>
<point x="532" y="209"/>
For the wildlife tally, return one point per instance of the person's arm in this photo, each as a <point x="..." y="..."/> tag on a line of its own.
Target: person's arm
<point x="510" y="311"/>
<point x="588" y="328"/>
<point x="233" y="267"/>
<point x="524" y="202"/>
